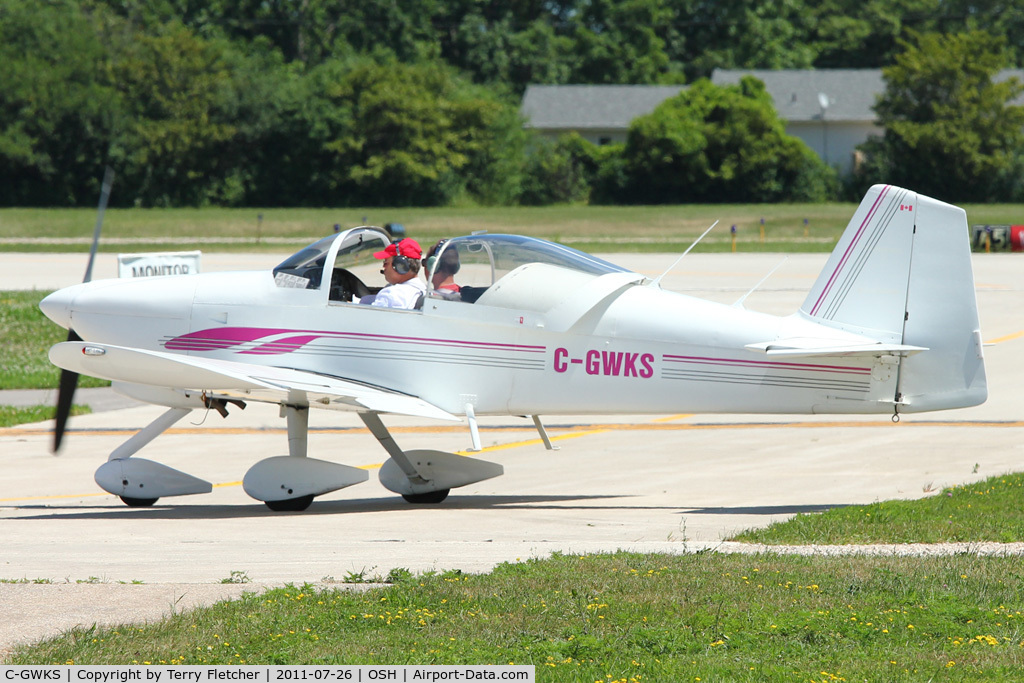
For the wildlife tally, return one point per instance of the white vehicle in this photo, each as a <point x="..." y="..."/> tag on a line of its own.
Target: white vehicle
<point x="890" y="326"/>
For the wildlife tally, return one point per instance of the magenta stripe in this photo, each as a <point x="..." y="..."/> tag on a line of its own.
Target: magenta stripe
<point x="766" y="363"/>
<point x="846" y="254"/>
<point x="282" y="345"/>
<point x="443" y="342"/>
<point x="223" y="338"/>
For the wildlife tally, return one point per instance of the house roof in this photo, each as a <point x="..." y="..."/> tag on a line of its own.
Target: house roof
<point x="850" y="93"/>
<point x="798" y="94"/>
<point x="580" y="107"/>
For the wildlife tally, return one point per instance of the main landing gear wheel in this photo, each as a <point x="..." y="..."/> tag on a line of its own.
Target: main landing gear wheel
<point x="290" y="505"/>
<point x="432" y="498"/>
<point x="138" y="502"/>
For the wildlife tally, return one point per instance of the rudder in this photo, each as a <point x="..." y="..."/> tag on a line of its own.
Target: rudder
<point x="942" y="315"/>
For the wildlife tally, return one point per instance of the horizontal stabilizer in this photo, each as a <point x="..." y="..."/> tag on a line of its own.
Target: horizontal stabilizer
<point x="829" y="347"/>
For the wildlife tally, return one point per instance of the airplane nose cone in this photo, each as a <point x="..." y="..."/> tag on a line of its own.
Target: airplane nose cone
<point x="57" y="307"/>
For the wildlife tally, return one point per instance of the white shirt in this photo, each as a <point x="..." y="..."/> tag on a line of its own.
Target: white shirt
<point x="402" y="295"/>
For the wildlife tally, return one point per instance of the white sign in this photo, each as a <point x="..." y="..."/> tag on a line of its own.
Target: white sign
<point x="158" y="263"/>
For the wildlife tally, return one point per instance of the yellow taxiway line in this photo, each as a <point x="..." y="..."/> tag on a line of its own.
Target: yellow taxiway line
<point x="1006" y="338"/>
<point x="573" y="432"/>
<point x="496" y="447"/>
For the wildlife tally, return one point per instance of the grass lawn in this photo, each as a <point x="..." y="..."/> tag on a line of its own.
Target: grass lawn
<point x="786" y="227"/>
<point x="26" y="336"/>
<point x="960" y="513"/>
<point x="16" y="415"/>
<point x="618" y="617"/>
<point x="629" y="617"/>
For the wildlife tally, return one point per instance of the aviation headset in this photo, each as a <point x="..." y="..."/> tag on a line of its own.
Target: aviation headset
<point x="400" y="264"/>
<point x="450" y="264"/>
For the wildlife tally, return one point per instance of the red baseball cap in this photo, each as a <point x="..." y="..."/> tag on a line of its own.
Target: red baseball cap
<point x="407" y="247"/>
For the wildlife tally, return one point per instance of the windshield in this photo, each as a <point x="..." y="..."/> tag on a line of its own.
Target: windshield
<point x="304" y="269"/>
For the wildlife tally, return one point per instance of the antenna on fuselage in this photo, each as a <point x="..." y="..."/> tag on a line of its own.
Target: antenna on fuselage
<point x="657" y="280"/>
<point x="739" y="302"/>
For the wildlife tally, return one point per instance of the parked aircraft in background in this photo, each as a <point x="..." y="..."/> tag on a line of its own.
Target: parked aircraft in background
<point x="890" y="326"/>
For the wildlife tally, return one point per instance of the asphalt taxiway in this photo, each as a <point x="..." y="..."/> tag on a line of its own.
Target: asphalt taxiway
<point x="666" y="483"/>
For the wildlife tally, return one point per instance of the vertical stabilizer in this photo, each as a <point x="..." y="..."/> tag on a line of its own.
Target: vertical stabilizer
<point x="901" y="273"/>
<point x="863" y="287"/>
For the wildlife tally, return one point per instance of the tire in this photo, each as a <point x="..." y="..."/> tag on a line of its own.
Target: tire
<point x="138" y="502"/>
<point x="290" y="505"/>
<point x="431" y="498"/>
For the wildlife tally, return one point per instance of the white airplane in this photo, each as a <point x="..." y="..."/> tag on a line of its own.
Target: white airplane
<point x="890" y="326"/>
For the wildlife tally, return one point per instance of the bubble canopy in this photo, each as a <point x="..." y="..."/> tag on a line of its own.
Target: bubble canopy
<point x="483" y="259"/>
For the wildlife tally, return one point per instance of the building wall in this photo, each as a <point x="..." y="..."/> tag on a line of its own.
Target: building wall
<point x="833" y="141"/>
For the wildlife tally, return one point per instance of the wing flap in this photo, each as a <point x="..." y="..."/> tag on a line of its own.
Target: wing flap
<point x="253" y="382"/>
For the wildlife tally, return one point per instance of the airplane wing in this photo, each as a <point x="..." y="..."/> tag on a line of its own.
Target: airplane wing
<point x="230" y="378"/>
<point x="806" y="346"/>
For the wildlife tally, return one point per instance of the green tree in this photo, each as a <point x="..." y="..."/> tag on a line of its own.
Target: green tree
<point x="719" y="144"/>
<point x="506" y="51"/>
<point x="407" y="134"/>
<point x="57" y="105"/>
<point x="621" y="42"/>
<point x="555" y="173"/>
<point x="266" y="162"/>
<point x="307" y="31"/>
<point x="175" y="86"/>
<point x="992" y="16"/>
<point x="951" y="131"/>
<point x="736" y="34"/>
<point x="864" y="34"/>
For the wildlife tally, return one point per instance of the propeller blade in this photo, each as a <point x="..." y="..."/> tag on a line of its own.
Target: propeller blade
<point x="108" y="181"/>
<point x="68" y="379"/>
<point x="65" y="395"/>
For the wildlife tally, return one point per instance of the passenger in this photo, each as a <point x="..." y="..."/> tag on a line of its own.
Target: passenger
<point x="401" y="268"/>
<point x="441" y="270"/>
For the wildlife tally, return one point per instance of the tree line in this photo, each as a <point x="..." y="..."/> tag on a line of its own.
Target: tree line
<point x="415" y="102"/>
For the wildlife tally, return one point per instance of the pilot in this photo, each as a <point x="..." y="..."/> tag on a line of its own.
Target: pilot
<point x="401" y="268"/>
<point x="441" y="270"/>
